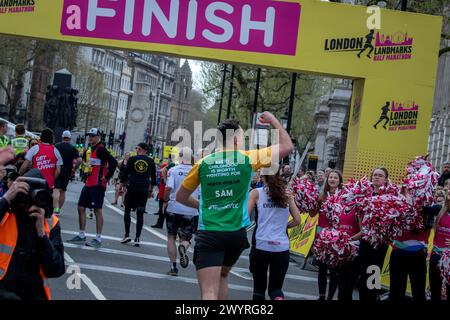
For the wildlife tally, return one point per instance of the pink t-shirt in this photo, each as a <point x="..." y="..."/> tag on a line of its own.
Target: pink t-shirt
<point x="442" y="233"/>
<point x="348" y="223"/>
<point x="323" y="221"/>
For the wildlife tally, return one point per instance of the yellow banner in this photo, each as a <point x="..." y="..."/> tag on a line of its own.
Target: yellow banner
<point x="391" y="55"/>
<point x="302" y="236"/>
<point x="171" y="151"/>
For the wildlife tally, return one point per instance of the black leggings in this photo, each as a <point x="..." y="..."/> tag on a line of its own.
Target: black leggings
<point x="323" y="280"/>
<point x="260" y="261"/>
<point x="403" y="264"/>
<point x="139" y="223"/>
<point x="346" y="279"/>
<point x="369" y="256"/>
<point x="436" y="279"/>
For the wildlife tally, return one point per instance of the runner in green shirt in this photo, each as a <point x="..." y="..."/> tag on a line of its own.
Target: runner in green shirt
<point x="224" y="178"/>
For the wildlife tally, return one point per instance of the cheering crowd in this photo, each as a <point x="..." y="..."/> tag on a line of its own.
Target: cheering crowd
<point x="217" y="199"/>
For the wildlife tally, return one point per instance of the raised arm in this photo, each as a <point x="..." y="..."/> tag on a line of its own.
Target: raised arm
<point x="284" y="146"/>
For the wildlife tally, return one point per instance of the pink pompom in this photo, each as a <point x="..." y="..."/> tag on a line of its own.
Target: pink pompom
<point x="444" y="267"/>
<point x="354" y="193"/>
<point x="387" y="215"/>
<point x="305" y="195"/>
<point x="333" y="208"/>
<point x="334" y="248"/>
<point x="420" y="182"/>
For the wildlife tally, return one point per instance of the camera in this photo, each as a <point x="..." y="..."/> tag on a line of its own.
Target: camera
<point x="39" y="195"/>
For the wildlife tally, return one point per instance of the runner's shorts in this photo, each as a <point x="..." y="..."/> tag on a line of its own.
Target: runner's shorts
<point x="182" y="225"/>
<point x="92" y="197"/>
<point x="135" y="199"/>
<point x="219" y="248"/>
<point x="62" y="182"/>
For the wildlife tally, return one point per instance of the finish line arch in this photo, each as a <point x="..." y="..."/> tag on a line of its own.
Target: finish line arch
<point x="394" y="75"/>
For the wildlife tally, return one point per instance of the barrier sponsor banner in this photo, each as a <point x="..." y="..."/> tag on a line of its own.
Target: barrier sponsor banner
<point x="302" y="236"/>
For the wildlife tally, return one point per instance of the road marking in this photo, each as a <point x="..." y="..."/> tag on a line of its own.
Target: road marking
<point x="161" y="236"/>
<point x="118" y="252"/>
<point x="166" y="259"/>
<point x="87" y="281"/>
<point x="153" y="244"/>
<point x="154" y="275"/>
<point x="288" y="276"/>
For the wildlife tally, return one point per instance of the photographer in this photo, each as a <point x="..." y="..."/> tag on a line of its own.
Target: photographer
<point x="31" y="248"/>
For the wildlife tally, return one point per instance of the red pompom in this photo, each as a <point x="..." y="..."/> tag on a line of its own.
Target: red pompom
<point x="333" y="208"/>
<point x="305" y="195"/>
<point x="387" y="215"/>
<point x="334" y="248"/>
<point x="420" y="182"/>
<point x="444" y="267"/>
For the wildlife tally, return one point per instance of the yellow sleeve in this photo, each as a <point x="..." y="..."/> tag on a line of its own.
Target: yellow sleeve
<point x="192" y="181"/>
<point x="261" y="158"/>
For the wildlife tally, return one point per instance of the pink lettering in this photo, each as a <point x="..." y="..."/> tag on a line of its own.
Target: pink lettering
<point x="74" y="20"/>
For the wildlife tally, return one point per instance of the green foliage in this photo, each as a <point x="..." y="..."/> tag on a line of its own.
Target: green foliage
<point x="275" y="88"/>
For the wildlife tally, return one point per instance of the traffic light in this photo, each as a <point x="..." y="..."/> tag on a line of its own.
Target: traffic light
<point x="111" y="139"/>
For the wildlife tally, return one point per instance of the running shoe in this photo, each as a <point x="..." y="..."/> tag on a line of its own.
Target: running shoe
<point x="173" y="272"/>
<point x="77" y="239"/>
<point x="137" y="242"/>
<point x="184" y="259"/>
<point x="125" y="240"/>
<point x="94" y="243"/>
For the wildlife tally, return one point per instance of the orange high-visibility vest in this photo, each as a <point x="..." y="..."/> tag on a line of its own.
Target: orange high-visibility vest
<point x="8" y="241"/>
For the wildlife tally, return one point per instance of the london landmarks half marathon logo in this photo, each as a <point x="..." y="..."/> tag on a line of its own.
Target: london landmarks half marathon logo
<point x="398" y="116"/>
<point x="16" y="6"/>
<point x="375" y="46"/>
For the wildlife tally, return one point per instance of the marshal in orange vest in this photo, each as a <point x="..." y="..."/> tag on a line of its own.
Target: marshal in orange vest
<point x="8" y="241"/>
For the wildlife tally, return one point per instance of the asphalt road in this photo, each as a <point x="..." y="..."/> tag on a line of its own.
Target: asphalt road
<point x="123" y="272"/>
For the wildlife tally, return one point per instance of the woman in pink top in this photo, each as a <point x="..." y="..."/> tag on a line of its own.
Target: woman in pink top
<point x="347" y="274"/>
<point x="441" y="242"/>
<point x="333" y="184"/>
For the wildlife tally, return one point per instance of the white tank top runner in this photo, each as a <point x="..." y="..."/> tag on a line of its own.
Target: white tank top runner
<point x="272" y="222"/>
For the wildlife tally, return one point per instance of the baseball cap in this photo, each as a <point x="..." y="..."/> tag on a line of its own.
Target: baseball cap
<point x="67" y="134"/>
<point x="143" y="146"/>
<point x="93" y="132"/>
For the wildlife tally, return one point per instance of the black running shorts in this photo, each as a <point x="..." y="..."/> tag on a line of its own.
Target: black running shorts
<point x="219" y="248"/>
<point x="92" y="197"/>
<point x="182" y="225"/>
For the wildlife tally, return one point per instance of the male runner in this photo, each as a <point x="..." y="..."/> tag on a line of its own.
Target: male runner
<point x="101" y="168"/>
<point x="225" y="178"/>
<point x="137" y="174"/>
<point x="181" y="220"/>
